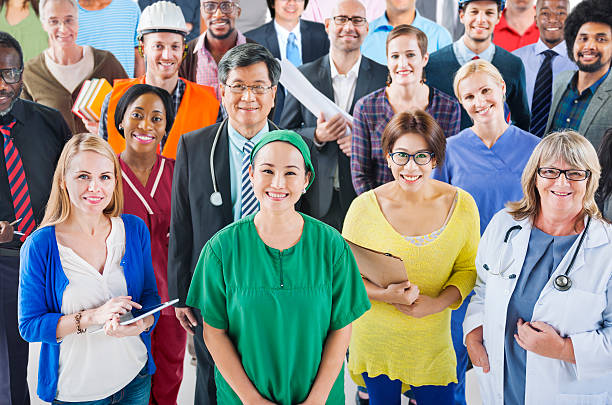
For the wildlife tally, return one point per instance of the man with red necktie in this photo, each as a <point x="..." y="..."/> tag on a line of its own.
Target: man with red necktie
<point x="32" y="137"/>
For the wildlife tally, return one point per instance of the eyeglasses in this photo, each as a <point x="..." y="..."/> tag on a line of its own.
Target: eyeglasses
<point x="420" y="158"/>
<point x="54" y="22"/>
<point x="343" y="20"/>
<point x="11" y="75"/>
<point x="242" y="88"/>
<point x="570" y="174"/>
<point x="226" y="7"/>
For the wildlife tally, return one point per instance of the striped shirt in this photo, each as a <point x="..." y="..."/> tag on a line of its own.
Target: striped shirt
<point x="112" y="29"/>
<point x="371" y="114"/>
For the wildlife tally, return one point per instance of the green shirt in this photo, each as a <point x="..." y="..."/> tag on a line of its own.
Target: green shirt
<point x="278" y="307"/>
<point x="28" y="32"/>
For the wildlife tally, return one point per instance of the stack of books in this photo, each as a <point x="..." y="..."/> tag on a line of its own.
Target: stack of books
<point x="88" y="104"/>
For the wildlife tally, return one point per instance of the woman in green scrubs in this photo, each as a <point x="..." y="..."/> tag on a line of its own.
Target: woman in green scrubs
<point x="278" y="291"/>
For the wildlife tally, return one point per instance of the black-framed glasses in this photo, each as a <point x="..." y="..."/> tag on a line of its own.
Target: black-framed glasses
<point x="226" y="7"/>
<point x="570" y="174"/>
<point x="420" y="158"/>
<point x="11" y="75"/>
<point x="343" y="20"/>
<point x="240" y="88"/>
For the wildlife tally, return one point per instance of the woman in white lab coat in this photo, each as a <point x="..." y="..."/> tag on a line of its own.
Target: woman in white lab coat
<point x="539" y="328"/>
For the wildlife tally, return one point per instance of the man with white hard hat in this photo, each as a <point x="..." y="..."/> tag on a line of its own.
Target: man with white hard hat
<point x="161" y="35"/>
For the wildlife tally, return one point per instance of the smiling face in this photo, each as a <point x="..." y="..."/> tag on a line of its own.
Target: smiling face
<point x="405" y="60"/>
<point x="347" y="37"/>
<point x="163" y="53"/>
<point x="220" y="25"/>
<point x="144" y="124"/>
<point x="550" y="19"/>
<point x="90" y="181"/>
<point x="560" y="196"/>
<point x="400" y="5"/>
<point x="248" y="110"/>
<point x="482" y="97"/>
<point x="61" y="23"/>
<point x="9" y="59"/>
<point x="288" y="11"/>
<point x="278" y="176"/>
<point x="593" y="47"/>
<point x="411" y="177"/>
<point x="479" y="19"/>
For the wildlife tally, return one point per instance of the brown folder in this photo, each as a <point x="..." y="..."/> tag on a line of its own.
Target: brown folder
<point x="380" y="268"/>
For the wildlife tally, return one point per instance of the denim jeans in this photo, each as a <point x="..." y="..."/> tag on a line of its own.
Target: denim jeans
<point x="135" y="393"/>
<point x="384" y="391"/>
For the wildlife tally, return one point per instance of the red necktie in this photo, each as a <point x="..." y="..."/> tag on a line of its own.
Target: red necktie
<point x="476" y="57"/>
<point x="18" y="184"/>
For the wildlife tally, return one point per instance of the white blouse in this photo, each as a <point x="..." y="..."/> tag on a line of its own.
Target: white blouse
<point x="93" y="366"/>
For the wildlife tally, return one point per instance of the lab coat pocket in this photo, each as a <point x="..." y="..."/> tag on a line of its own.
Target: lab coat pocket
<point x="583" y="311"/>
<point x="582" y="399"/>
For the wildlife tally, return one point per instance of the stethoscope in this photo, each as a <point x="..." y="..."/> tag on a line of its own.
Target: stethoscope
<point x="215" y="197"/>
<point x="561" y="283"/>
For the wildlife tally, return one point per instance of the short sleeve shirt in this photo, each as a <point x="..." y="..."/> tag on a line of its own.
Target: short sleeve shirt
<point x="278" y="307"/>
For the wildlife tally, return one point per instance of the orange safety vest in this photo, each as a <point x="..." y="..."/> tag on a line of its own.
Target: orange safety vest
<point x="198" y="109"/>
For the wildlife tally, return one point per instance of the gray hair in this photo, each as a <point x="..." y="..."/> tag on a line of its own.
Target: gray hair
<point x="43" y="3"/>
<point x="246" y="55"/>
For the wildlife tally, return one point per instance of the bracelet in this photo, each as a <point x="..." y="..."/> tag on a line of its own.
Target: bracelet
<point x="77" y="320"/>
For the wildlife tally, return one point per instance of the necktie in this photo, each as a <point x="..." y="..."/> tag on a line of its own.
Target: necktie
<point x="293" y="53"/>
<point x="542" y="95"/>
<point x="249" y="203"/>
<point x="476" y="57"/>
<point x="17" y="184"/>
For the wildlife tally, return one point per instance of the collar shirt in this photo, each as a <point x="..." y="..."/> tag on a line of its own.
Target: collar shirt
<point x="533" y="57"/>
<point x="573" y="104"/>
<point x="465" y="54"/>
<point x="506" y="37"/>
<point x="282" y="35"/>
<point x="236" y="143"/>
<point x="344" y="84"/>
<point x="207" y="72"/>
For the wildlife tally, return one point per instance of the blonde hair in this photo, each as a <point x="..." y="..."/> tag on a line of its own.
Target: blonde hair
<point x="476" y="66"/>
<point x="573" y="149"/>
<point x="59" y="206"/>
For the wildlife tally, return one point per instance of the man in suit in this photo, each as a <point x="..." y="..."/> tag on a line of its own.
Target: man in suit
<point x="344" y="76"/>
<point x="287" y="36"/>
<point x="582" y="100"/>
<point x="204" y="202"/>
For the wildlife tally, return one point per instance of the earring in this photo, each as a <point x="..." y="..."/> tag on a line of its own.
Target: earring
<point x="304" y="191"/>
<point x="120" y="127"/>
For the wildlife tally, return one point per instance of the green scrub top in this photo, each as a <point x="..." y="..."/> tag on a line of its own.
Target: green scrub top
<point x="278" y="307"/>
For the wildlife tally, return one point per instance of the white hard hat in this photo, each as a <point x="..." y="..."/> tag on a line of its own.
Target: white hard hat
<point x="162" y="16"/>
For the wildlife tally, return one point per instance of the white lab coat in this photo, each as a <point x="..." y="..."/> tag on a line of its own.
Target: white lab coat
<point x="584" y="313"/>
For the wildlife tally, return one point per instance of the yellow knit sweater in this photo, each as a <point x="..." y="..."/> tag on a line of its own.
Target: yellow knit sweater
<point x="386" y="341"/>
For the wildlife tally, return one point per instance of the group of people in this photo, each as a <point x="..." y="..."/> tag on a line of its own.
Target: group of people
<point x="485" y="169"/>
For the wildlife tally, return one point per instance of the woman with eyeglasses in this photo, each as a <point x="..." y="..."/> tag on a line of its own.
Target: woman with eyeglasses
<point x="407" y="91"/>
<point x="404" y="341"/>
<point x="539" y="327"/>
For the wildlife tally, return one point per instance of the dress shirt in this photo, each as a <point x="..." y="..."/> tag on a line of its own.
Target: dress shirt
<point x="236" y="143"/>
<point x="532" y="56"/>
<point x="465" y="54"/>
<point x="506" y="37"/>
<point x="207" y="72"/>
<point x="319" y="10"/>
<point x="282" y="36"/>
<point x="39" y="135"/>
<point x="573" y="105"/>
<point x="374" y="45"/>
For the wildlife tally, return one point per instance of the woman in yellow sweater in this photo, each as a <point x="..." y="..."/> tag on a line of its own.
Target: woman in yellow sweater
<point x="404" y="341"/>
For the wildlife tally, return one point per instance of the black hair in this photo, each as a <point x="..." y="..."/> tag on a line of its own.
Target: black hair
<point x="598" y="11"/>
<point x="246" y="55"/>
<point x="462" y="6"/>
<point x="7" y="41"/>
<point x="605" y="160"/>
<point x="138" y="90"/>
<point x="271" y="7"/>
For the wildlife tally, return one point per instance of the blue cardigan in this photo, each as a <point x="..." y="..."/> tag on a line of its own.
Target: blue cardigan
<point x="42" y="282"/>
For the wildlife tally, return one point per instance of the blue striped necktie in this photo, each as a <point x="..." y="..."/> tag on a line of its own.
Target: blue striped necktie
<point x="249" y="203"/>
<point x="293" y="52"/>
<point x="542" y="95"/>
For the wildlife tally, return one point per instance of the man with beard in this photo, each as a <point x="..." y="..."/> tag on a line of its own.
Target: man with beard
<point x="344" y="76"/>
<point x="583" y="100"/>
<point x="205" y="52"/>
<point x="544" y="60"/>
<point x="32" y="138"/>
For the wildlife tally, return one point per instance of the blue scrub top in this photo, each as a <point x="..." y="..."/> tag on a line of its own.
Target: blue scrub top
<point x="544" y="253"/>
<point x="491" y="176"/>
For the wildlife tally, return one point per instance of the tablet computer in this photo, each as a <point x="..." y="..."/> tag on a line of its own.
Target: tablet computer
<point x="129" y="318"/>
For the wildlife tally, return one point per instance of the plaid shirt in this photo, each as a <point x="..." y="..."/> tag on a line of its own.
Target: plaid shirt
<point x="573" y="105"/>
<point x="372" y="113"/>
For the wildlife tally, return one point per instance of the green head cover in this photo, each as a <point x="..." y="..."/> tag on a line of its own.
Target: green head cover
<point x="294" y="139"/>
